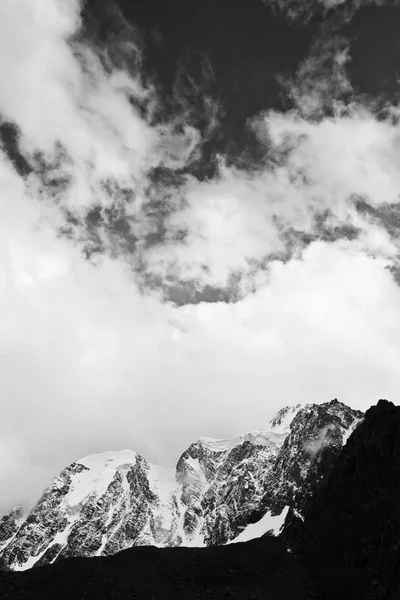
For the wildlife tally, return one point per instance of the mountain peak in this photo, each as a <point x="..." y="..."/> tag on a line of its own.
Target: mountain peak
<point x="258" y="438"/>
<point x="281" y="421"/>
<point x="382" y="406"/>
<point x="106" y="502"/>
<point x="114" y="458"/>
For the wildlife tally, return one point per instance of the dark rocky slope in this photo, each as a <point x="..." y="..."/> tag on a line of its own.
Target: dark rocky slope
<point x="350" y="538"/>
<point x="261" y="569"/>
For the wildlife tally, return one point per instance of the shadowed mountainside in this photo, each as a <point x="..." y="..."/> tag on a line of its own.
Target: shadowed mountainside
<point x="350" y="538"/>
<point x="254" y="570"/>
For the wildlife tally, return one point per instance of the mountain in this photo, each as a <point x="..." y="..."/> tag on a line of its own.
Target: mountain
<point x="345" y="545"/>
<point x="350" y="537"/>
<point x="221" y="491"/>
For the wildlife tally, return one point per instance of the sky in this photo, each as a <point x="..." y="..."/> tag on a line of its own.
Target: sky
<point x="200" y="220"/>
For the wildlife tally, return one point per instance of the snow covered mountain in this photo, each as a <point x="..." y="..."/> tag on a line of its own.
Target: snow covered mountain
<point x="222" y="491"/>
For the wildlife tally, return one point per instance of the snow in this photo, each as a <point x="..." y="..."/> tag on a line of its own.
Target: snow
<point x="116" y="458"/>
<point x="256" y="530"/>
<point x="298" y="514"/>
<point x="261" y="438"/>
<point x="61" y="537"/>
<point x="102" y="468"/>
<point x="193" y="463"/>
<point x="168" y="511"/>
<point x="218" y="445"/>
<point x="197" y="541"/>
<point x="347" y="432"/>
<point x="162" y="482"/>
<point x="108" y="532"/>
<point x="28" y="564"/>
<point x="288" y="414"/>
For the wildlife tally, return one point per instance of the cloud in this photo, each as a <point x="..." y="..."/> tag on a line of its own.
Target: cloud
<point x="94" y="355"/>
<point x="314" y="446"/>
<point x="88" y="363"/>
<point x="231" y="221"/>
<point x="71" y="96"/>
<point x="321" y="81"/>
<point x="305" y="10"/>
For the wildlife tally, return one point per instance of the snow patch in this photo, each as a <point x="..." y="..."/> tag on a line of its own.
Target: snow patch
<point x="281" y="422"/>
<point x="298" y="514"/>
<point x="193" y="464"/>
<point x="28" y="564"/>
<point x="197" y="541"/>
<point x="217" y="445"/>
<point x="62" y="536"/>
<point x="116" y="458"/>
<point x="256" y="530"/>
<point x="347" y="432"/>
<point x="101" y="470"/>
<point x="162" y="482"/>
<point x="260" y="438"/>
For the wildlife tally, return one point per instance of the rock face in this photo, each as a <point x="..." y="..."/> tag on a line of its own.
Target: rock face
<point x="105" y="503"/>
<point x="10" y="524"/>
<point x="350" y="537"/>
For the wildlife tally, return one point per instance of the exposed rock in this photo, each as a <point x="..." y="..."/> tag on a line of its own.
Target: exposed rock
<point x="105" y="503"/>
<point x="9" y="525"/>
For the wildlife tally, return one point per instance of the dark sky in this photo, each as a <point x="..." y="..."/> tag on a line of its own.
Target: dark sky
<point x="219" y="64"/>
<point x="235" y="53"/>
<point x="375" y="51"/>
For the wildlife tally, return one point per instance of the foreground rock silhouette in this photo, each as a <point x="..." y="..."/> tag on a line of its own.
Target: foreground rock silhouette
<point x="350" y="539"/>
<point x="253" y="570"/>
<point x="347" y="547"/>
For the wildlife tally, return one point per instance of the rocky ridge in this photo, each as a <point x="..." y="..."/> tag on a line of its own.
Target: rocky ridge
<point x="105" y="503"/>
<point x="349" y="537"/>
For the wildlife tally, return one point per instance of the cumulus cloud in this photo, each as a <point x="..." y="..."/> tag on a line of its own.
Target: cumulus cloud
<point x="94" y="355"/>
<point x="71" y="96"/>
<point x="231" y="222"/>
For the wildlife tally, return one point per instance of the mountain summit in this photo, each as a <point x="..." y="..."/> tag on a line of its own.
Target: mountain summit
<point x="344" y="545"/>
<point x="221" y="491"/>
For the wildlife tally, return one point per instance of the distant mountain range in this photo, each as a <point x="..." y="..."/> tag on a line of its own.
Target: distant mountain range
<point x="333" y="472"/>
<point x="221" y="491"/>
